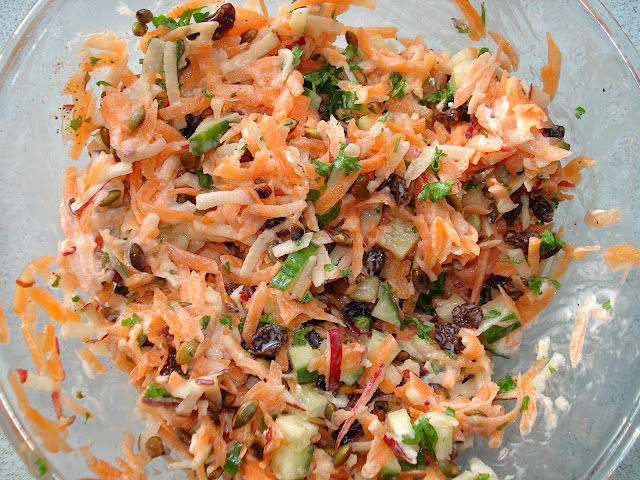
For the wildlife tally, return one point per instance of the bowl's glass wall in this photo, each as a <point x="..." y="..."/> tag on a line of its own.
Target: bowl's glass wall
<point x="603" y="390"/>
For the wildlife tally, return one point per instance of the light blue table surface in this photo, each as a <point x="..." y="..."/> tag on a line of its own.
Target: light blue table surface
<point x="627" y="12"/>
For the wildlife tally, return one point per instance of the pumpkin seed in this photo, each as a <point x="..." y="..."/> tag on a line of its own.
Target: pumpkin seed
<point x="313" y="134"/>
<point x="342" y="454"/>
<point x="290" y="123"/>
<point x="245" y="413"/>
<point x="137" y="117"/>
<point x="249" y="35"/>
<point x="186" y="352"/>
<point x="110" y="198"/>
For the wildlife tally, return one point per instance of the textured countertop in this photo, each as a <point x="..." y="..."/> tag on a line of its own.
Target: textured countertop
<point x="627" y="12"/>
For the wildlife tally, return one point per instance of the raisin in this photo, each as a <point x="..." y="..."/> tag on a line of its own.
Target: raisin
<point x="374" y="259"/>
<point x="183" y="198"/>
<point x="267" y="341"/>
<point x="171" y="365"/>
<point x="557" y="132"/>
<point x="273" y="222"/>
<point x="452" y="116"/>
<point x="192" y="123"/>
<point x="226" y="17"/>
<point x="493" y="281"/>
<point x="519" y="239"/>
<point x="542" y="208"/>
<point x="356" y="309"/>
<point x="549" y="253"/>
<point x="354" y="432"/>
<point x="467" y="315"/>
<point x="447" y="338"/>
<point x="512" y="215"/>
<point x="398" y="188"/>
<point x="314" y="339"/>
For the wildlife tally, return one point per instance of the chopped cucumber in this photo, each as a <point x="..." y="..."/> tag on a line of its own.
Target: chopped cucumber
<point x="399" y="237"/>
<point x="300" y="358"/>
<point x="445" y="309"/>
<point x="374" y="343"/>
<point x="312" y="400"/>
<point x="443" y="425"/>
<point x="391" y="470"/>
<point x="292" y="266"/>
<point x="233" y="463"/>
<point x="292" y="461"/>
<point x="400" y="426"/>
<point x="351" y="376"/>
<point x="498" y="322"/>
<point x="366" y="290"/>
<point x="208" y="134"/>
<point x="387" y="310"/>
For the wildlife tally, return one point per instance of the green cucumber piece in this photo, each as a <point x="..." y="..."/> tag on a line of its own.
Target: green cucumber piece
<point x="300" y="357"/>
<point x="387" y="310"/>
<point x="391" y="470"/>
<point x="366" y="290"/>
<point x="292" y="266"/>
<point x="399" y="237"/>
<point x="350" y="377"/>
<point x="374" y="343"/>
<point x="292" y="461"/>
<point x="232" y="465"/>
<point x="207" y="136"/>
<point x="498" y="322"/>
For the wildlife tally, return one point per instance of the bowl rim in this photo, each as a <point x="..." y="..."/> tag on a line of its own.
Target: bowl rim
<point x="28" y="449"/>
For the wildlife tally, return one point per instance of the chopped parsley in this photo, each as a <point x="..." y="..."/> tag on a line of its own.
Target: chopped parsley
<point x="87" y="416"/>
<point x="227" y="266"/>
<point x="346" y="272"/>
<point x="41" y="463"/>
<point x="226" y="320"/>
<point x="325" y="81"/>
<point x="183" y="20"/>
<point x="363" y="323"/>
<point x="297" y="54"/>
<point x="450" y="411"/>
<point x="131" y="298"/>
<point x="397" y="85"/>
<point x="435" y="163"/>
<point x="511" y="260"/>
<point x="79" y="394"/>
<point x="483" y="50"/>
<point x="206" y="93"/>
<point x="103" y="83"/>
<point x="440" y="95"/>
<point x="535" y="284"/>
<point x="505" y="383"/>
<point x="308" y="297"/>
<point x="425" y="436"/>
<point x="451" y="354"/>
<point x="342" y="161"/>
<point x="204" y="321"/>
<point x="607" y="305"/>
<point x="423" y="330"/>
<point x="350" y="52"/>
<point x="483" y="13"/>
<point x="94" y="60"/>
<point x="525" y="403"/>
<point x="131" y="321"/>
<point x="578" y="112"/>
<point x="241" y="324"/>
<point x="397" y="145"/>
<point x="313" y="195"/>
<point x="435" y="191"/>
<point x="76" y="123"/>
<point x="550" y="241"/>
<point x="204" y="180"/>
<point x="483" y="476"/>
<point x="156" y="391"/>
<point x="299" y="336"/>
<point x="552" y="370"/>
<point x="160" y="281"/>
<point x="329" y="267"/>
<point x="75" y="298"/>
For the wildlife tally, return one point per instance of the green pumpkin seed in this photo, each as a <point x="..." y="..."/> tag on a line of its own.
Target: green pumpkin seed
<point x="110" y="198"/>
<point x="227" y="398"/>
<point x="245" y="413"/>
<point x="474" y="220"/>
<point x="137" y="117"/>
<point x="562" y="144"/>
<point x="139" y="29"/>
<point x="448" y="468"/>
<point x="342" y="454"/>
<point x="187" y="351"/>
<point x="329" y="410"/>
<point x="144" y="15"/>
<point x="249" y="35"/>
<point x="290" y="123"/>
<point x="313" y="134"/>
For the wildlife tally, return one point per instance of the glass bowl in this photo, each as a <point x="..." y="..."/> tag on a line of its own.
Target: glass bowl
<point x="598" y="74"/>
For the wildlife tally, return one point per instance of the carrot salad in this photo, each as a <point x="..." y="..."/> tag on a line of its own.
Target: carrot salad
<point x="305" y="242"/>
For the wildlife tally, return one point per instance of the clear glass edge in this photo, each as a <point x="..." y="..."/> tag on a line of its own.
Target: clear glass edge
<point x="28" y="449"/>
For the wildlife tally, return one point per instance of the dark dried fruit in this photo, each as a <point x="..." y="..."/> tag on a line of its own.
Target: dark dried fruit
<point x="226" y="17"/>
<point x="557" y="132"/>
<point x="549" y="253"/>
<point x="352" y="434"/>
<point x="374" y="259"/>
<point x="447" y="338"/>
<point x="467" y="315"/>
<point x="398" y="188"/>
<point x="273" y="222"/>
<point x="183" y="436"/>
<point x="172" y="365"/>
<point x="542" y="207"/>
<point x="246" y="157"/>
<point x="136" y="257"/>
<point x="296" y="232"/>
<point x="268" y="340"/>
<point x="356" y="309"/>
<point x="519" y="239"/>
<point x="439" y="390"/>
<point x="314" y="339"/>
<point x="154" y="447"/>
<point x="493" y="281"/>
<point x="189" y="161"/>
<point x="192" y="123"/>
<point x="183" y="198"/>
<point x="420" y="281"/>
<point x="263" y="191"/>
<point x="109" y="314"/>
<point x="512" y="215"/>
<point x="452" y="116"/>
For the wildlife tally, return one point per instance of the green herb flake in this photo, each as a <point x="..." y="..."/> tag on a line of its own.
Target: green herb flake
<point x="241" y="324"/>
<point x="131" y="321"/>
<point x="483" y="476"/>
<point x="435" y="191"/>
<point x="204" y="321"/>
<point x="549" y="241"/>
<point x="435" y="163"/>
<point x="525" y="403"/>
<point x="160" y="281"/>
<point x="397" y="85"/>
<point x="206" y="93"/>
<point x="79" y="394"/>
<point x="313" y="195"/>
<point x="87" y="416"/>
<point x="535" y="284"/>
<point x="350" y="52"/>
<point x="423" y="330"/>
<point x="578" y="112"/>
<point x="552" y="370"/>
<point x="329" y="267"/>
<point x="425" y="436"/>
<point x="130" y="299"/>
<point x="483" y="13"/>
<point x="56" y="282"/>
<point x="94" y="60"/>
<point x="505" y="383"/>
<point x="483" y="50"/>
<point x="226" y="320"/>
<point x="204" y="180"/>
<point x="227" y="266"/>
<point x="41" y="463"/>
<point x="297" y="54"/>
<point x="76" y="123"/>
<point x="511" y="260"/>
<point x="440" y="95"/>
<point x="346" y="272"/>
<point x="451" y="354"/>
<point x="299" y="336"/>
<point x="607" y="305"/>
<point x="325" y="219"/>
<point x="450" y="411"/>
<point x="156" y="391"/>
<point x="397" y="145"/>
